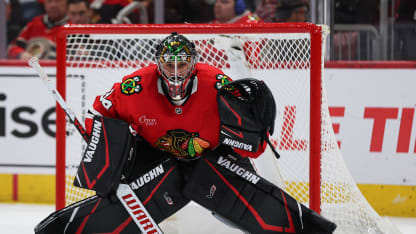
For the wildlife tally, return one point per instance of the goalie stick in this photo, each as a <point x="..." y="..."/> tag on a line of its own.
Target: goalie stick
<point x="124" y="193"/>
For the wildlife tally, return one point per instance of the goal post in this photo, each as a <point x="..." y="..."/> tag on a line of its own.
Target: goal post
<point x="287" y="56"/>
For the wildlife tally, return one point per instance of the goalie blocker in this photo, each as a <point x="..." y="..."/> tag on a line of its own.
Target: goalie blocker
<point x="233" y="192"/>
<point x="111" y="145"/>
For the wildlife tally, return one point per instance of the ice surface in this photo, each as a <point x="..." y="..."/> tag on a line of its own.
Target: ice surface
<point x="18" y="218"/>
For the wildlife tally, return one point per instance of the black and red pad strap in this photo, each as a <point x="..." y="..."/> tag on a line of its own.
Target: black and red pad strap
<point x="106" y="153"/>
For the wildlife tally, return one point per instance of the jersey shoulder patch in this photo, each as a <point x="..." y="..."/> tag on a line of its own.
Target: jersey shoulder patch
<point x="131" y="85"/>
<point x="222" y="80"/>
<point x="136" y="81"/>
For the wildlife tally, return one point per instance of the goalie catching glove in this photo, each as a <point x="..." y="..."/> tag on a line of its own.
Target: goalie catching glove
<point x="247" y="113"/>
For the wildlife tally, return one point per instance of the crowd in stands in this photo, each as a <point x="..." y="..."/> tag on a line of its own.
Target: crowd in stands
<point x="34" y="34"/>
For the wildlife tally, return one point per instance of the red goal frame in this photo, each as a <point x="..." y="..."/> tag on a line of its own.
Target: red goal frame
<point x="316" y="65"/>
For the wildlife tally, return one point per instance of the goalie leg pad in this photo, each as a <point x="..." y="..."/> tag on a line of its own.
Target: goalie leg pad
<point x="159" y="189"/>
<point x="104" y="158"/>
<point x="92" y="215"/>
<point x="227" y="188"/>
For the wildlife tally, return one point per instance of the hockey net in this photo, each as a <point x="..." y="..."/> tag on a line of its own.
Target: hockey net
<point x="288" y="57"/>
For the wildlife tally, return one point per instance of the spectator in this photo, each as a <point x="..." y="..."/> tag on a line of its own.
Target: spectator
<point x="357" y="11"/>
<point x="200" y="11"/>
<point x="405" y="31"/>
<point x="354" y="45"/>
<point x="251" y="5"/>
<point x="14" y="19"/>
<point x="106" y="10"/>
<point x="38" y="37"/>
<point x="79" y="11"/>
<point x="266" y="10"/>
<point x="233" y="11"/>
<point x="122" y="11"/>
<point x="174" y="12"/>
<point x="406" y="11"/>
<point x="292" y="11"/>
<point x="31" y="9"/>
<point x="189" y="11"/>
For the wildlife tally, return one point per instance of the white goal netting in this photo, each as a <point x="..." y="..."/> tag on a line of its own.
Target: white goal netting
<point x="286" y="57"/>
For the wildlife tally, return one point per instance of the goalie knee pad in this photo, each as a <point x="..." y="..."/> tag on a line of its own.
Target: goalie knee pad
<point x="222" y="185"/>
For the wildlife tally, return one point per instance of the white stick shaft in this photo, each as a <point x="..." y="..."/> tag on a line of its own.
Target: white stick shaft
<point x="34" y="63"/>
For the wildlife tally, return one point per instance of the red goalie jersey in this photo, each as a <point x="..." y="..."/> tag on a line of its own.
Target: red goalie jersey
<point x="183" y="130"/>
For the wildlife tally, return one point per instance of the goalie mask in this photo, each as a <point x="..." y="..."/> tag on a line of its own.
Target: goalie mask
<point x="176" y="57"/>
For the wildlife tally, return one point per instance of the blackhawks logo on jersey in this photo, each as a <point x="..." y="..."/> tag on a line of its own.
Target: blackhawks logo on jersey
<point x="131" y="85"/>
<point x="182" y="144"/>
<point x="222" y="80"/>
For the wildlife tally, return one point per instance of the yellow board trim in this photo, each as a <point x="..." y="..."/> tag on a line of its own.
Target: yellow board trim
<point x="391" y="200"/>
<point x="387" y="200"/>
<point x="39" y="188"/>
<point x="6" y="185"/>
<point x="30" y="188"/>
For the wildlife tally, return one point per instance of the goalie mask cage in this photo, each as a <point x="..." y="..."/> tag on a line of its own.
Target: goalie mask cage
<point x="288" y="57"/>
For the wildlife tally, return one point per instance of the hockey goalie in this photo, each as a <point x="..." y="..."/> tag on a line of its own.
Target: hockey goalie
<point x="174" y="132"/>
